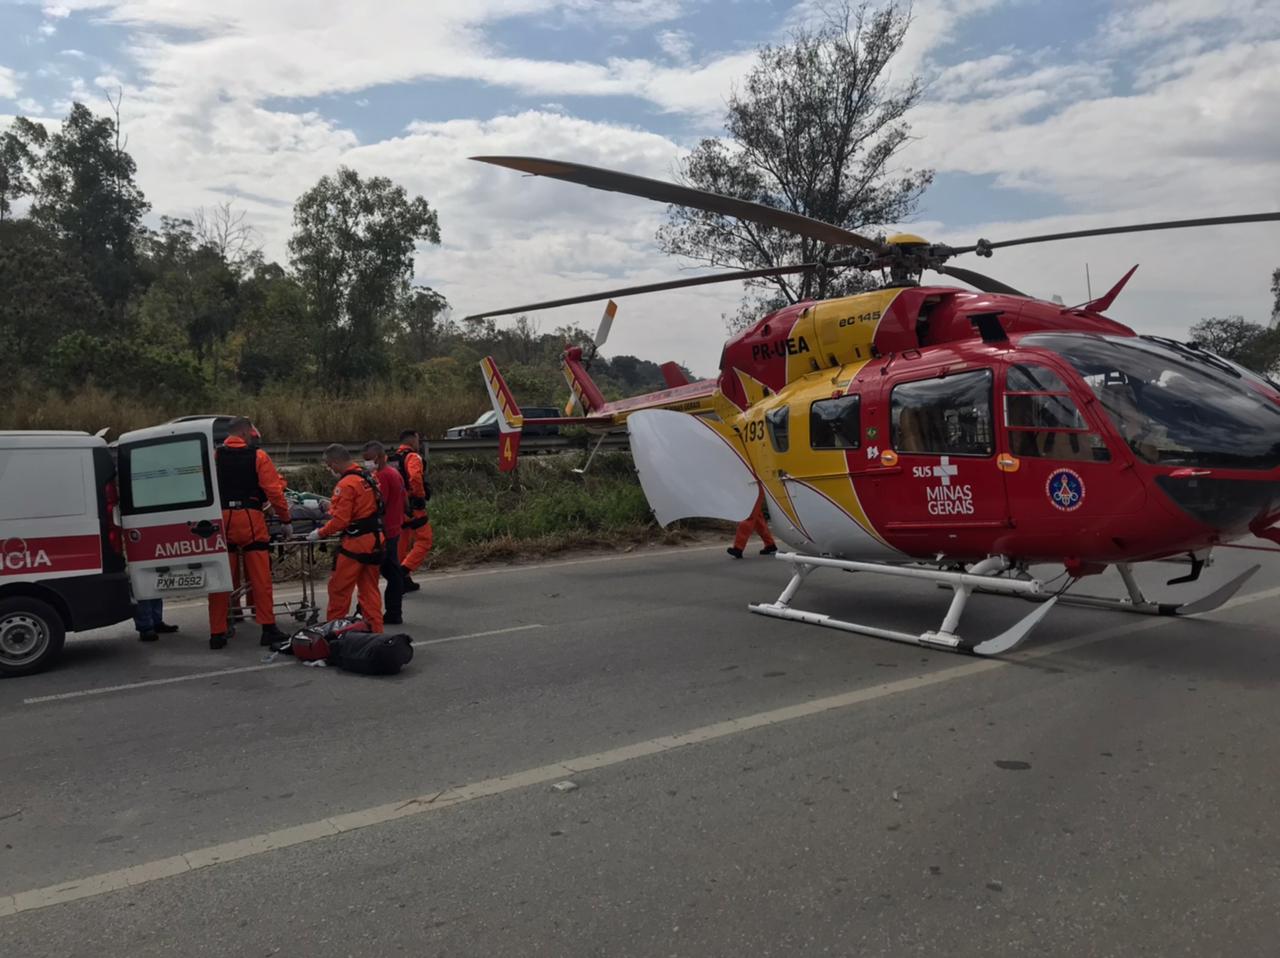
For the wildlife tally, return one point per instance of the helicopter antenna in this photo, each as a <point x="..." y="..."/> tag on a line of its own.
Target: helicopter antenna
<point x="1088" y="284"/>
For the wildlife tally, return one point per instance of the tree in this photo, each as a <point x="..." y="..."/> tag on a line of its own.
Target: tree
<point x="352" y="249"/>
<point x="1275" y="291"/>
<point x="421" y="325"/>
<point x="1248" y="344"/>
<point x="45" y="297"/>
<point x="276" y="330"/>
<point x="814" y="130"/>
<point x="85" y="194"/>
<point x="20" y="147"/>
<point x="226" y="230"/>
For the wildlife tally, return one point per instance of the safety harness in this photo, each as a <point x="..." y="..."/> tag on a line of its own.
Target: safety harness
<point x="366" y="525"/>
<point x="238" y="487"/>
<point x="400" y="458"/>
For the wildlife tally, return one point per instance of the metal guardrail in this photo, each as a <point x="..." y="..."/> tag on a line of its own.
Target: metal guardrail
<point x="294" y="452"/>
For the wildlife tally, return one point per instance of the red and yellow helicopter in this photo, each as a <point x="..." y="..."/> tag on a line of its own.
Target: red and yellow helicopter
<point x="945" y="434"/>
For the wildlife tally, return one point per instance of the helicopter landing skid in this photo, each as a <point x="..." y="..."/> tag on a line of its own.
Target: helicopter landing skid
<point x="962" y="583"/>
<point x="1136" y="602"/>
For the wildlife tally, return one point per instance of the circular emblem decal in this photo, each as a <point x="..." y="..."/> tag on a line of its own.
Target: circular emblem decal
<point x="1065" y="489"/>
<point x="872" y="432"/>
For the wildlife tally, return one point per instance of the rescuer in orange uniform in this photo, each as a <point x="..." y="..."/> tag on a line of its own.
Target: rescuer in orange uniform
<point x="355" y="514"/>
<point x="753" y="523"/>
<point x="247" y="481"/>
<point x="415" y="536"/>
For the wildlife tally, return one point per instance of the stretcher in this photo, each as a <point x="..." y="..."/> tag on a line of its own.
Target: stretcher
<point x="296" y="560"/>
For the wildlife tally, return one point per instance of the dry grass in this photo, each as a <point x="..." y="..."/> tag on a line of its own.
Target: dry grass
<point x="381" y="413"/>
<point x="481" y="515"/>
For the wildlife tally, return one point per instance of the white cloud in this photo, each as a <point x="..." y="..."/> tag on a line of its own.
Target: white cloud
<point x="1197" y="133"/>
<point x="252" y="49"/>
<point x="677" y="44"/>
<point x="9" y="85"/>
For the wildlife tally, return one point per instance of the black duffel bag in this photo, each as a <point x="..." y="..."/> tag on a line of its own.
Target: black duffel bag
<point x="370" y="653"/>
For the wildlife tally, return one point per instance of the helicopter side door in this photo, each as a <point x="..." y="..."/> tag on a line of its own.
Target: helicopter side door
<point x="811" y="443"/>
<point x="941" y="489"/>
<point x="1064" y="482"/>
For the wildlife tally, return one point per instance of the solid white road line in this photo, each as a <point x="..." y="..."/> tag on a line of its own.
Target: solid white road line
<point x="589" y="560"/>
<point x="640" y="553"/>
<point x="100" y="884"/>
<point x="479" y="635"/>
<point x="103" y="690"/>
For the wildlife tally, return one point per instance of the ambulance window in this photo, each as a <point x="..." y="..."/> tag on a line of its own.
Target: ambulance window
<point x="779" y="423"/>
<point x="949" y="416"/>
<point x="42" y="483"/>
<point x="835" y="423"/>
<point x="165" y="474"/>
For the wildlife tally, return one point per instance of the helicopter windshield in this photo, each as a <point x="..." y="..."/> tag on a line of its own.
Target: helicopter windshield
<point x="1171" y="408"/>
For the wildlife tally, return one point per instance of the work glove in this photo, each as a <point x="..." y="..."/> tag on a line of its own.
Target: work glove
<point x="313" y="535"/>
<point x="287" y="530"/>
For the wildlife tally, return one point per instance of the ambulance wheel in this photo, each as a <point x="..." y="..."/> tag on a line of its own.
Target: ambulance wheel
<point x="31" y="635"/>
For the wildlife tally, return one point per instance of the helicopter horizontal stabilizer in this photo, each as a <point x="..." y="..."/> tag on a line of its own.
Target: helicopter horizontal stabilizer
<point x="673" y="375"/>
<point x="688" y="470"/>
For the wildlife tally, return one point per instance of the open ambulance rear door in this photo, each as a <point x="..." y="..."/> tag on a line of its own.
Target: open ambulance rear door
<point x="171" y="512"/>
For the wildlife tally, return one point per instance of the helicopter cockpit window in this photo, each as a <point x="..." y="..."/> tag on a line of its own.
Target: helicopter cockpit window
<point x="835" y="423"/>
<point x="1043" y="420"/>
<point x="779" y="422"/>
<point x="1170" y="407"/>
<point x="949" y="416"/>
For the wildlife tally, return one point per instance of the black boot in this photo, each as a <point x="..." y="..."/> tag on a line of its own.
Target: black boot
<point x="409" y="584"/>
<point x="164" y="628"/>
<point x="271" y="634"/>
<point x="218" y="640"/>
<point x="148" y="636"/>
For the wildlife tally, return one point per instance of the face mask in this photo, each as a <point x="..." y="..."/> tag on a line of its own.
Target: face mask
<point x="370" y="465"/>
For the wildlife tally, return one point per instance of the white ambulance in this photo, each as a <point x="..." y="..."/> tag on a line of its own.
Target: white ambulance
<point x="81" y="533"/>
<point x="62" y="565"/>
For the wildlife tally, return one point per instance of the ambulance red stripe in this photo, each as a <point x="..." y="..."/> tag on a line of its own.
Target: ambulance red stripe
<point x="50" y="555"/>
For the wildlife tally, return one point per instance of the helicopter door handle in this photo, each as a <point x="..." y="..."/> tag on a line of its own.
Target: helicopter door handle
<point x="1190" y="473"/>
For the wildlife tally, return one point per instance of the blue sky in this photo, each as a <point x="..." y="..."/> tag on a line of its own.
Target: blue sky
<point x="1040" y="114"/>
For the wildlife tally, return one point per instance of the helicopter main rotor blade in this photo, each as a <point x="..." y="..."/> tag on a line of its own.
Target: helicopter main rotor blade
<point x="650" y="288"/>
<point x="977" y="280"/>
<point x="664" y="192"/>
<point x="1136" y="228"/>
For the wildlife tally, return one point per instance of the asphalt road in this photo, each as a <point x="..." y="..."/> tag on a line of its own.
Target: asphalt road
<point x="746" y="786"/>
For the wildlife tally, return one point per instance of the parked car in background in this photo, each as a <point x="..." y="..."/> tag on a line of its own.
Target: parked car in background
<point x="486" y="427"/>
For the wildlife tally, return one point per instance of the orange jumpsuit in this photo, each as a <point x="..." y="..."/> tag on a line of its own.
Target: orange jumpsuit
<point x="753" y="523"/>
<point x="246" y="528"/>
<point x="416" y="536"/>
<point x="355" y="514"/>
